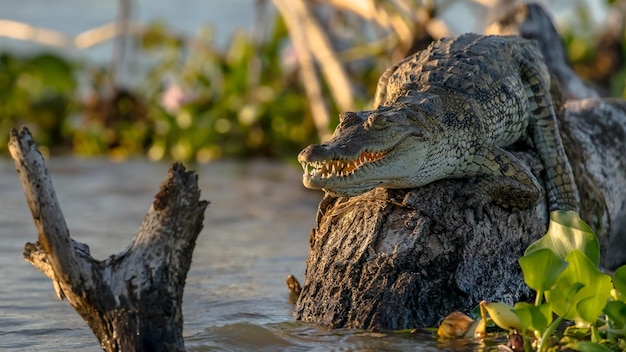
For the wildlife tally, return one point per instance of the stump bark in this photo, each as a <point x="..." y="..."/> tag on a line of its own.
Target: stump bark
<point x="132" y="301"/>
<point x="398" y="259"/>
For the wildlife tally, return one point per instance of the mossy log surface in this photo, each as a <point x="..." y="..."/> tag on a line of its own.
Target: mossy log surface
<point x="398" y="259"/>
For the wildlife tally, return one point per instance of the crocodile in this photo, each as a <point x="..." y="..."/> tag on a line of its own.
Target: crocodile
<point x="448" y="112"/>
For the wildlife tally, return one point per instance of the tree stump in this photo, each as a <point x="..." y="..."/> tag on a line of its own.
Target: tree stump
<point x="132" y="301"/>
<point x="398" y="259"/>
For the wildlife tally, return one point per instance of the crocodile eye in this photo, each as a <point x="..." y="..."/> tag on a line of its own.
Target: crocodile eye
<point x="376" y="121"/>
<point x="347" y="116"/>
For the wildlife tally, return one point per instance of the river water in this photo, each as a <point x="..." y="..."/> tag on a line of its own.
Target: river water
<point x="255" y="234"/>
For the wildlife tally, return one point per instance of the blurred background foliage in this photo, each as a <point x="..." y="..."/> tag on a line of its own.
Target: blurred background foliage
<point x="267" y="93"/>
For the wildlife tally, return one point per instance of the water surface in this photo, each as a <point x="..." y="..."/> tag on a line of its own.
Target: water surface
<point x="255" y="233"/>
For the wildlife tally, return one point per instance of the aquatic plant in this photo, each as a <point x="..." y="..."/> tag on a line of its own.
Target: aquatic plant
<point x="562" y="268"/>
<point x="38" y="91"/>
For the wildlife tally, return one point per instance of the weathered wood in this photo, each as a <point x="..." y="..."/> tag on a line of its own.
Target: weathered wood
<point x="132" y="301"/>
<point x="396" y="259"/>
<point x="594" y="131"/>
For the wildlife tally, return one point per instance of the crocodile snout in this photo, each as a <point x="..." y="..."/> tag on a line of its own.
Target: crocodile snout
<point x="315" y="152"/>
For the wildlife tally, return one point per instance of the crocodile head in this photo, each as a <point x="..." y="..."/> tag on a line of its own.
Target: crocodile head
<point x="385" y="147"/>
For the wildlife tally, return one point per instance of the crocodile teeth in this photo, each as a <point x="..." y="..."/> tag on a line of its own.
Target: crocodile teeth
<point x="340" y="168"/>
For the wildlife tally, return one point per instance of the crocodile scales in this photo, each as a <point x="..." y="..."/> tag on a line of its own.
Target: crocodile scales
<point x="447" y="112"/>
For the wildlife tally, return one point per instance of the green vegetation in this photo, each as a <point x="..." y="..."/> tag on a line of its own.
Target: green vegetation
<point x="196" y="102"/>
<point x="239" y="103"/>
<point x="40" y="92"/>
<point x="235" y="103"/>
<point x="562" y="267"/>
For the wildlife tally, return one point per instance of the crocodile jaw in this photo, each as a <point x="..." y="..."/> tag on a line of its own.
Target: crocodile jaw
<point x="328" y="173"/>
<point x="398" y="167"/>
<point x="381" y="148"/>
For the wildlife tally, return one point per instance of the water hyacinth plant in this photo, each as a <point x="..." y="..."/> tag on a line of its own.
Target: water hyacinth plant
<point x="562" y="267"/>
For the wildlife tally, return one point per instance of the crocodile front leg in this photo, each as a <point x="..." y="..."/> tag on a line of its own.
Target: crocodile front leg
<point x="505" y="180"/>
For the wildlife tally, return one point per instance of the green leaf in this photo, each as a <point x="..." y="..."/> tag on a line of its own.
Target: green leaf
<point x="587" y="346"/>
<point x="541" y="268"/>
<point x="619" y="279"/>
<point x="616" y="311"/>
<point x="503" y="315"/>
<point x="566" y="232"/>
<point x="589" y="308"/>
<point x="534" y="317"/>
<point x="523" y="312"/>
<point x="595" y="334"/>
<point x="567" y="293"/>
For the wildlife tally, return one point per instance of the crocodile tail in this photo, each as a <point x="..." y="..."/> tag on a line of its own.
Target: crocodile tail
<point x="560" y="185"/>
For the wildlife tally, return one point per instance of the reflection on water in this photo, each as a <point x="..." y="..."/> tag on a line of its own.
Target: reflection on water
<point x="255" y="234"/>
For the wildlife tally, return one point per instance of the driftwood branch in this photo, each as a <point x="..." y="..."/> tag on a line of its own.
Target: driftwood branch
<point x="132" y="301"/>
<point x="398" y="259"/>
<point x="308" y="75"/>
<point x="85" y="40"/>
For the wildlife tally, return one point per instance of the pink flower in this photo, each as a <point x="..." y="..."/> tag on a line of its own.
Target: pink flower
<point x="173" y="98"/>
